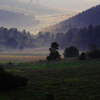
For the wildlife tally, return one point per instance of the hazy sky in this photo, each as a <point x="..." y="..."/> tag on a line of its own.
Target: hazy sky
<point x="69" y="4"/>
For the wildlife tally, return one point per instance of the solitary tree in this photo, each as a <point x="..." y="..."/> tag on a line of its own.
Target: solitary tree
<point x="71" y="52"/>
<point x="54" y="54"/>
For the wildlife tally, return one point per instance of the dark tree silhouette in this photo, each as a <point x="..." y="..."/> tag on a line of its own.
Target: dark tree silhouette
<point x="82" y="56"/>
<point x="71" y="51"/>
<point x="93" y="46"/>
<point x="54" y="54"/>
<point x="94" y="53"/>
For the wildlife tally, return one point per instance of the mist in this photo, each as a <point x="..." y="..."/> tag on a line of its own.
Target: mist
<point x="68" y="4"/>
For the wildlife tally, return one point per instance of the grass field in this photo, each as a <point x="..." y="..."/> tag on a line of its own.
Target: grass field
<point x="66" y="79"/>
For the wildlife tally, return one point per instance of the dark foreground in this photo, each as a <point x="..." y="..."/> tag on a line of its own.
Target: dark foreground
<point x="62" y="80"/>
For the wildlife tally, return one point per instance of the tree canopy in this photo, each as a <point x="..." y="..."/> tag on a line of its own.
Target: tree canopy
<point x="71" y="52"/>
<point x="54" y="54"/>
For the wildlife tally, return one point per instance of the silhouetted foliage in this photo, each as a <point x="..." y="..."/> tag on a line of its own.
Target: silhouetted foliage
<point x="49" y="97"/>
<point x="94" y="54"/>
<point x="10" y="63"/>
<point x="54" y="54"/>
<point x="13" y="38"/>
<point x="82" y="38"/>
<point x="93" y="46"/>
<point x="82" y="56"/>
<point x="10" y="81"/>
<point x="1" y="70"/>
<point x="71" y="52"/>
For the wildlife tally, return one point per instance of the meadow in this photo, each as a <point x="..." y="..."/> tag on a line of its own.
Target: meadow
<point x="65" y="79"/>
<point x="26" y="55"/>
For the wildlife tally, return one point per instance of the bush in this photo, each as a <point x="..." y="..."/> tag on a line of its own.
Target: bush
<point x="1" y="70"/>
<point x="10" y="81"/>
<point x="94" y="54"/>
<point x="82" y="56"/>
<point x="71" y="52"/>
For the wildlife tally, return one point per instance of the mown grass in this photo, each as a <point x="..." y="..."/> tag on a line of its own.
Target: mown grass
<point x="68" y="79"/>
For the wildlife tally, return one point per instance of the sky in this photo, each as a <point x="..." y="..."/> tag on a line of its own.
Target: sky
<point x="80" y="5"/>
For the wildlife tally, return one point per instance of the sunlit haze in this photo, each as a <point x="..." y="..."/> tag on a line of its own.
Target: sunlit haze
<point x="68" y="4"/>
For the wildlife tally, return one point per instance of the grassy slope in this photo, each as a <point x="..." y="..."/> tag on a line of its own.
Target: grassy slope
<point x="68" y="79"/>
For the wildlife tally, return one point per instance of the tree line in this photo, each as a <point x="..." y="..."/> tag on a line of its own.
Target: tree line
<point x="13" y="38"/>
<point x="81" y="38"/>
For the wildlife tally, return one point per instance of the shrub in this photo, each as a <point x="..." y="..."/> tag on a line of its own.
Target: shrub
<point x="82" y="56"/>
<point x="10" y="81"/>
<point x="1" y="70"/>
<point x="50" y="97"/>
<point x="71" y="52"/>
<point x="94" y="54"/>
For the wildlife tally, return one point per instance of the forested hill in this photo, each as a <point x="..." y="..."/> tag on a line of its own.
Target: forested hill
<point x="90" y="16"/>
<point x="12" y="19"/>
<point x="81" y="38"/>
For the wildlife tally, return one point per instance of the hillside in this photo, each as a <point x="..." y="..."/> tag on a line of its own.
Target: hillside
<point x="49" y="20"/>
<point x="90" y="16"/>
<point x="46" y="15"/>
<point x="31" y="23"/>
<point x="11" y="19"/>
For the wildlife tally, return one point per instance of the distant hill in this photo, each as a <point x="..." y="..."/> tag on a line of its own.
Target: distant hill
<point x="30" y="8"/>
<point x="11" y="19"/>
<point x="81" y="30"/>
<point x="90" y="16"/>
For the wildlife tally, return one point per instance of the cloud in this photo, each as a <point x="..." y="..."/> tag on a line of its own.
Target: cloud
<point x="93" y="0"/>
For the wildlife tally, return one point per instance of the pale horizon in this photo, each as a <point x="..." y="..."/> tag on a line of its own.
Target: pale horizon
<point x="80" y="5"/>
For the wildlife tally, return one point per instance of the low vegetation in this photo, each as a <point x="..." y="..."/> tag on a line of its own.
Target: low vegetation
<point x="82" y="56"/>
<point x="94" y="53"/>
<point x="65" y="79"/>
<point x="10" y="81"/>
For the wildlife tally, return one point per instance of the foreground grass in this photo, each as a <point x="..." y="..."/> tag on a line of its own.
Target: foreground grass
<point x="63" y="80"/>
